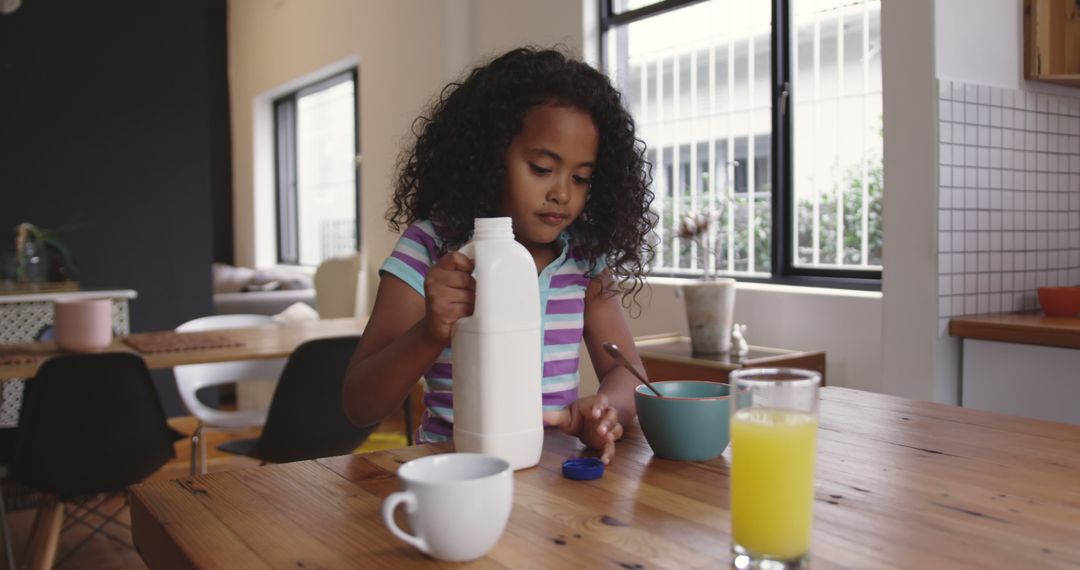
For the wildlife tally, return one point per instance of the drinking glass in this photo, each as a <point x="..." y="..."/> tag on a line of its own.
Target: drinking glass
<point x="773" y="441"/>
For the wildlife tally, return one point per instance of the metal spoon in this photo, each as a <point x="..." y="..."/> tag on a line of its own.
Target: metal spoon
<point x="613" y="350"/>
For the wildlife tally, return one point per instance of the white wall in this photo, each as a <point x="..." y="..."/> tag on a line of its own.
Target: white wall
<point x="500" y="25"/>
<point x="910" y="351"/>
<point x="981" y="41"/>
<point x="400" y="48"/>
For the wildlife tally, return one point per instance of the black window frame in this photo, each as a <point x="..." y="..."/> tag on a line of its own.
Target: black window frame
<point x="782" y="264"/>
<point x="286" y="213"/>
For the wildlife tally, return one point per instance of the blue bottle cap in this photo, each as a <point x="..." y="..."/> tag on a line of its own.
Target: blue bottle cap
<point x="583" y="469"/>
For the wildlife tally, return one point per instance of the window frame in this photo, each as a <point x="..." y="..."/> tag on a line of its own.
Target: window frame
<point x="782" y="262"/>
<point x="285" y="163"/>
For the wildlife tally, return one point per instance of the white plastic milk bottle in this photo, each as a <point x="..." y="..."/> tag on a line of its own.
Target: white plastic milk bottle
<point x="496" y="352"/>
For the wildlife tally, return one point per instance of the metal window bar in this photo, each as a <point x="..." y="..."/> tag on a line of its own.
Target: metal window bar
<point x="864" y="244"/>
<point x="676" y="163"/>
<point x="710" y="263"/>
<point x="730" y="190"/>
<point x="815" y="255"/>
<point x="659" y="167"/>
<point x="693" y="170"/>
<point x="751" y="158"/>
<point x="839" y="259"/>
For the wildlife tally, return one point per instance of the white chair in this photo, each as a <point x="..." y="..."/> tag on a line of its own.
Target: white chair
<point x="190" y="378"/>
<point x="338" y="287"/>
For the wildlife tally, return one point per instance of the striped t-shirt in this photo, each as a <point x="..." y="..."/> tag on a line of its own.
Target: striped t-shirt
<point x="562" y="294"/>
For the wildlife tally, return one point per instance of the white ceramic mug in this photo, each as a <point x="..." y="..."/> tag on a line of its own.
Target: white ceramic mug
<point x="457" y="504"/>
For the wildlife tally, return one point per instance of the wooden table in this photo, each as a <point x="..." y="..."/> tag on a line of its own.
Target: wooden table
<point x="670" y="357"/>
<point x="900" y="484"/>
<point x="270" y="341"/>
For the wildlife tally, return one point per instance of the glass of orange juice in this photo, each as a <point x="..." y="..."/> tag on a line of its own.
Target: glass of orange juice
<point x="773" y="442"/>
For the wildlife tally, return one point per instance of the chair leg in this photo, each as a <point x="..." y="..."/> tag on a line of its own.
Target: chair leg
<point x="9" y="554"/>
<point x="408" y="419"/>
<point x="196" y="441"/>
<point x="46" y="537"/>
<point x="203" y="464"/>
<point x="77" y="518"/>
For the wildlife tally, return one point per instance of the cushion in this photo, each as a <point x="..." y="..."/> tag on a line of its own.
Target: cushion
<point x="295" y="282"/>
<point x="287" y="279"/>
<point x="258" y="285"/>
<point x="230" y="279"/>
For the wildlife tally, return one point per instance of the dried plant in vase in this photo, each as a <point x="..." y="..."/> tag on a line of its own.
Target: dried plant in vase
<point x="710" y="301"/>
<point x="694" y="227"/>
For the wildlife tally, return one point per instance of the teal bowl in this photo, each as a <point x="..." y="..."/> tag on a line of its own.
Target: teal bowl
<point x="691" y="421"/>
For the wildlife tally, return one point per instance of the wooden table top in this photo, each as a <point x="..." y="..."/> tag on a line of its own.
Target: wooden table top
<point x="900" y="484"/>
<point x="1023" y="328"/>
<point x="269" y="341"/>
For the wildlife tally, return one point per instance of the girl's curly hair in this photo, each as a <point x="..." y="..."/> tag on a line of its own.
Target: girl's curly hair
<point x="456" y="170"/>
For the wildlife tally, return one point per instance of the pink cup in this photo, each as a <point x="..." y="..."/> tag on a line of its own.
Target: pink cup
<point x="83" y="325"/>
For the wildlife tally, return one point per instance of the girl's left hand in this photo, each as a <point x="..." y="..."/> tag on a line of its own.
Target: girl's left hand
<point x="593" y="421"/>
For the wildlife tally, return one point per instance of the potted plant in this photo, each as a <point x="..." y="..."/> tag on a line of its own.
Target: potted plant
<point x="40" y="255"/>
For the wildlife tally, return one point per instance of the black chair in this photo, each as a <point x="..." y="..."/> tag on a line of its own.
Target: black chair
<point x="90" y="424"/>
<point x="7" y="450"/>
<point x="306" y="419"/>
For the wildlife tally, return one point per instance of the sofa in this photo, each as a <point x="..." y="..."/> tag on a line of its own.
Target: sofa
<point x="243" y="290"/>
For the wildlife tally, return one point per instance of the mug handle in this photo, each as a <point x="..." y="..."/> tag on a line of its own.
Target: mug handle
<point x="388" y="508"/>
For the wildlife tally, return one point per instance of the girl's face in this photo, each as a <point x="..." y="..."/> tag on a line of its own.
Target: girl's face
<point x="549" y="168"/>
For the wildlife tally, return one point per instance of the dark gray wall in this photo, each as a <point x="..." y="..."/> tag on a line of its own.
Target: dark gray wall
<point x="114" y="119"/>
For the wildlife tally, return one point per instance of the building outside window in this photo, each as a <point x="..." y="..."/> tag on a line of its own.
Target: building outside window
<point x="316" y="159"/>
<point x="732" y="96"/>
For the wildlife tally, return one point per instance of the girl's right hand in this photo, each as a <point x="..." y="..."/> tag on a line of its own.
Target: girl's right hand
<point x="449" y="294"/>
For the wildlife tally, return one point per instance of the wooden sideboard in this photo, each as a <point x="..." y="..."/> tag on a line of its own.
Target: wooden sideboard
<point x="670" y="357"/>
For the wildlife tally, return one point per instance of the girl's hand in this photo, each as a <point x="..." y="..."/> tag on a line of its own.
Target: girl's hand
<point x="449" y="294"/>
<point x="593" y="421"/>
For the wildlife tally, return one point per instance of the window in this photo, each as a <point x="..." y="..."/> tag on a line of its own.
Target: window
<point x="755" y="112"/>
<point x="316" y="171"/>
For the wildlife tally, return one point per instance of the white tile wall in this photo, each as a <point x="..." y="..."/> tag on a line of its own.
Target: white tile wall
<point x="1009" y="197"/>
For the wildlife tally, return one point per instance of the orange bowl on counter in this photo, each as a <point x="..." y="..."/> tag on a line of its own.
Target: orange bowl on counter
<point x="1059" y="301"/>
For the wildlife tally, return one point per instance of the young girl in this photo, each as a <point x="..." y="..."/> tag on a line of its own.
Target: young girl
<point x="546" y="141"/>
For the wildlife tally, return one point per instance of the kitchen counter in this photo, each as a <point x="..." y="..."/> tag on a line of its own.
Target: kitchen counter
<point x="1020" y="363"/>
<point x="1022" y="328"/>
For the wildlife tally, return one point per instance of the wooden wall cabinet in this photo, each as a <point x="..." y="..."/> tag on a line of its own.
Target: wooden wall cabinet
<point x="1052" y="41"/>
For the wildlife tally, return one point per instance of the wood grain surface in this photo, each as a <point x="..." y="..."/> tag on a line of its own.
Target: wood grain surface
<point x="899" y="484"/>
<point x="1023" y="328"/>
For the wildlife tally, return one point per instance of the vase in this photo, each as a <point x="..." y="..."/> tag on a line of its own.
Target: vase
<point x="710" y="311"/>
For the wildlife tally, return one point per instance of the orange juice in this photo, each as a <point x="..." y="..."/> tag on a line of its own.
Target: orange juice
<point x="772" y="481"/>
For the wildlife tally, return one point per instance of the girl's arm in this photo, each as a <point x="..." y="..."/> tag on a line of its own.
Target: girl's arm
<point x="404" y="336"/>
<point x="597" y="419"/>
<point x="605" y="322"/>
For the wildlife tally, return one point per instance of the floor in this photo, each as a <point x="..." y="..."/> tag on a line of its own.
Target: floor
<point x="114" y="550"/>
